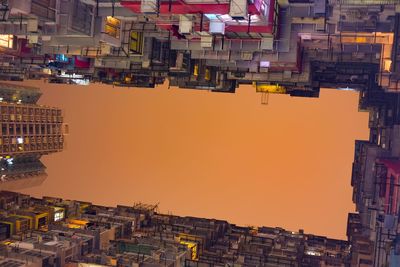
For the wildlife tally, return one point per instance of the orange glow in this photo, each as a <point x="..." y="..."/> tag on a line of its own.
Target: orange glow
<point x="78" y="222"/>
<point x="212" y="155"/>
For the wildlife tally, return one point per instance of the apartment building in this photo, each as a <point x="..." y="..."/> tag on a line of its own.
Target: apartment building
<point x="28" y="131"/>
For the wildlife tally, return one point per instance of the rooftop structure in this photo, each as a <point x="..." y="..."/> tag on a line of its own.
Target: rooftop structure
<point x="121" y="236"/>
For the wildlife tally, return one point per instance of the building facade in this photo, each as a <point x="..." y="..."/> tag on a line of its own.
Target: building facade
<point x="279" y="46"/>
<point x="57" y="232"/>
<point x="28" y="131"/>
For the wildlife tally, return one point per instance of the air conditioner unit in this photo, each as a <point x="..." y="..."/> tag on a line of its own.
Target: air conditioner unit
<point x="206" y="41"/>
<point x="149" y="6"/>
<point x="267" y="43"/>
<point x="319" y="27"/>
<point x="246" y="55"/>
<point x="238" y="9"/>
<point x="33" y="39"/>
<point x="287" y="74"/>
<point x="217" y="27"/>
<point x="145" y="63"/>
<point x="32" y="25"/>
<point x="185" y="24"/>
<point x="105" y="49"/>
<point x="253" y="68"/>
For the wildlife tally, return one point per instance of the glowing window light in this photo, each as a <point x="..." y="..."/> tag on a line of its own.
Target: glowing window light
<point x="20" y="140"/>
<point x="113" y="21"/>
<point x="192" y="246"/>
<point x="312" y="253"/>
<point x="264" y="64"/>
<point x="10" y="161"/>
<point x="112" y="26"/>
<point x="58" y="215"/>
<point x="346" y="89"/>
<point x="6" y="40"/>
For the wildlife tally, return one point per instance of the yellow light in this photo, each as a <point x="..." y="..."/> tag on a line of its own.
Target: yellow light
<point x="6" y="40"/>
<point x="270" y="88"/>
<point x="73" y="226"/>
<point x="192" y="246"/>
<point x="78" y="222"/>
<point x="136" y="42"/>
<point x="361" y="39"/>
<point x="113" y="21"/>
<point x="207" y="76"/>
<point x="254" y="230"/>
<point x="112" y="27"/>
<point x="113" y="262"/>
<point x="387" y="63"/>
<point x="58" y="209"/>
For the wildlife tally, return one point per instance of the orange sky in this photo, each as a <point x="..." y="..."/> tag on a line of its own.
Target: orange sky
<point x="205" y="154"/>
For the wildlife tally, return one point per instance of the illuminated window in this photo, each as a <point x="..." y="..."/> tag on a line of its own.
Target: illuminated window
<point x="112" y="27"/>
<point x="136" y="42"/>
<point x="58" y="216"/>
<point x="192" y="246"/>
<point x="264" y="64"/>
<point x="6" y="40"/>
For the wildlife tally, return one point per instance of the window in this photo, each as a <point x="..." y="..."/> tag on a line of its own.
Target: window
<point x="6" y="40"/>
<point x="136" y="42"/>
<point x="42" y="222"/>
<point x="112" y="27"/>
<point x="58" y="216"/>
<point x="11" y="129"/>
